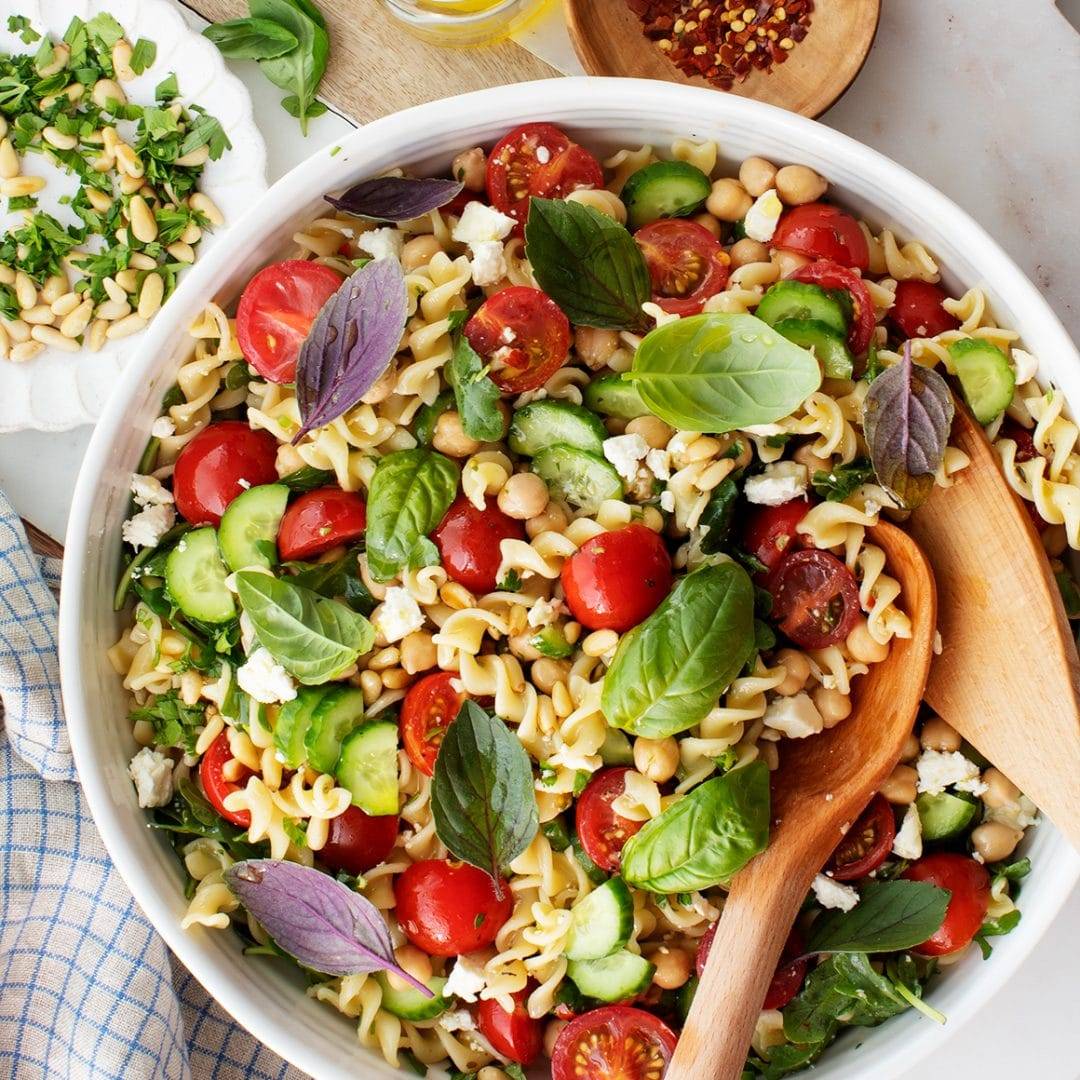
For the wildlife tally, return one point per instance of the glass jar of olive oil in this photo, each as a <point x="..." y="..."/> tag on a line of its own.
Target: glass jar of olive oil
<point x="465" y="22"/>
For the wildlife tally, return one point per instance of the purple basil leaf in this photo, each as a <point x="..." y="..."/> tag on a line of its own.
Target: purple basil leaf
<point x="316" y="919"/>
<point x="907" y="415"/>
<point x="395" y="198"/>
<point x="350" y="344"/>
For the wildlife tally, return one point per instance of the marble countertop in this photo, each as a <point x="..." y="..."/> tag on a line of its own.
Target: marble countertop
<point x="978" y="98"/>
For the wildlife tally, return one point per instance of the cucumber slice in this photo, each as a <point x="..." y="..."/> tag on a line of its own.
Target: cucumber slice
<point x="195" y="578"/>
<point x="614" y="978"/>
<point x="585" y="480"/>
<point x="557" y="834"/>
<point x="612" y="395"/>
<point x="602" y="923"/>
<point x="551" y="641"/>
<point x="408" y="1003"/>
<point x="800" y="300"/>
<point x="334" y="717"/>
<point x="685" y="997"/>
<point x="827" y="344"/>
<point x="985" y="377"/>
<point x="945" y="814"/>
<point x="543" y="423"/>
<point x="616" y="749"/>
<point x="368" y="767"/>
<point x="249" y="527"/>
<point x="293" y="723"/>
<point x="664" y="189"/>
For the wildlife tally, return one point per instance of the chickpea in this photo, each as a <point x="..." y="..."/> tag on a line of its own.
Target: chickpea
<point x="672" y="967"/>
<point x="728" y="200"/>
<point x="863" y="647"/>
<point x="417" y="652"/>
<point x="746" y="251"/>
<point x="547" y="672"/>
<point x="450" y="437"/>
<point x="911" y="748"/>
<point x="470" y="167"/>
<point x="994" y="840"/>
<point x="832" y="705"/>
<point x="900" y="786"/>
<point x="652" y="429"/>
<point x="656" y="759"/>
<point x="938" y="735"/>
<point x="551" y="1035"/>
<point x="757" y="175"/>
<point x="419" y="251"/>
<point x="415" y="962"/>
<point x="707" y="221"/>
<point x="798" y="671"/>
<point x="491" y="1072"/>
<point x="595" y="346"/>
<point x="553" y="519"/>
<point x="1000" y="790"/>
<point x="789" y="261"/>
<point x="799" y="184"/>
<point x="523" y="496"/>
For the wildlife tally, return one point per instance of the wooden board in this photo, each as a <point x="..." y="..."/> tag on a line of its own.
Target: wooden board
<point x="377" y="67"/>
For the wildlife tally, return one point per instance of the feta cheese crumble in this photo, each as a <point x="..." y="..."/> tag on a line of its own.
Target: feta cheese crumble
<point x="148" y="526"/>
<point x="488" y="263"/>
<point x="760" y="220"/>
<point x="152" y="773"/>
<point x="544" y="612"/>
<point x="149" y="491"/>
<point x="659" y="462"/>
<point x="466" y="979"/>
<point x="382" y="243"/>
<point x="457" y="1020"/>
<point x="265" y="679"/>
<point x="796" y="716"/>
<point x="398" y="615"/>
<point x="479" y="223"/>
<point x="667" y="501"/>
<point x="162" y="428"/>
<point x="779" y="483"/>
<point x="1027" y="366"/>
<point x="908" y="841"/>
<point x="939" y="769"/>
<point x="626" y="452"/>
<point x="832" y="894"/>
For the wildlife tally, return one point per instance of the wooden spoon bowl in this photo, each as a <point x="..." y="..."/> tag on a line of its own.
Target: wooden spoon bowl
<point x="821" y="787"/>
<point x="608" y="40"/>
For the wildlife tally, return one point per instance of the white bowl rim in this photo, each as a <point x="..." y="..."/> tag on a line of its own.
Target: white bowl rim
<point x="592" y="97"/>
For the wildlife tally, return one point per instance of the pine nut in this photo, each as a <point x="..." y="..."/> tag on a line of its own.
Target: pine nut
<point x="18" y="186"/>
<point x="9" y="160"/>
<point x="202" y="204"/>
<point x="103" y="163"/>
<point x="109" y="139"/>
<point x="132" y="324"/>
<point x="121" y="59"/>
<point x="48" y="335"/>
<point x="26" y="350"/>
<point x="196" y="158"/>
<point x="181" y="252"/>
<point x="109" y="310"/>
<point x="3" y="126"/>
<point x="128" y="280"/>
<point x="116" y="294"/>
<point x="25" y="290"/>
<point x="7" y="275"/>
<point x="38" y="315"/>
<point x="128" y="162"/>
<point x="130" y="185"/>
<point x="192" y="234"/>
<point x="96" y="337"/>
<point x="98" y="199"/>
<point x="55" y="137"/>
<point x="5" y="344"/>
<point x="59" y="61"/>
<point x="55" y="286"/>
<point x="141" y="261"/>
<point x="143" y="224"/>
<point x="104" y="89"/>
<point x="17" y="330"/>
<point x="150" y="296"/>
<point x="77" y="319"/>
<point x="66" y="304"/>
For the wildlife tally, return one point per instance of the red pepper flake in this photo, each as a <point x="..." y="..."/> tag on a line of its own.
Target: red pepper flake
<point x="724" y="40"/>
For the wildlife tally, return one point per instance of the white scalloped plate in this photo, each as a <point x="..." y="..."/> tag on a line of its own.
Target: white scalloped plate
<point x="58" y="390"/>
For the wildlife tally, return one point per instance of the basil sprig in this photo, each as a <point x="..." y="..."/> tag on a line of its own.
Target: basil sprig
<point x="670" y="670"/>
<point x="251" y="39"/>
<point x="475" y="395"/>
<point x="588" y="264"/>
<point x="482" y="795"/>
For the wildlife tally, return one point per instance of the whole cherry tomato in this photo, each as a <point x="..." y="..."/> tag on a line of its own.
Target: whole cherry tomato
<point x="217" y="464"/>
<point x="358" y="841"/>
<point x="320" y="520"/>
<point x="617" y="579"/>
<point x="601" y="831"/>
<point x="429" y="708"/>
<point x="866" y="845"/>
<point x="830" y="275"/>
<point x="917" y="310"/>
<point x="769" y="533"/>
<point x="788" y="977"/>
<point x="823" y="232"/>
<point x="515" y="1035"/>
<point x="815" y="598"/>
<point x="615" y="1042"/>
<point x="686" y="263"/>
<point x="468" y="541"/>
<point x="969" y="884"/>
<point x="216" y="787"/>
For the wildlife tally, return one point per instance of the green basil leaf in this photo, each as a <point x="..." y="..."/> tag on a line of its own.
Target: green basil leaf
<point x="588" y="264"/>
<point x="670" y="670"/>
<point x="719" y="372"/>
<point x="408" y="496"/>
<point x="717" y="520"/>
<point x="482" y="797"/>
<point x="705" y="837"/>
<point x="142" y="55"/>
<point x="477" y="397"/>
<point x="300" y="70"/>
<point x="891" y="915"/>
<point x="427" y="416"/>
<point x="339" y="579"/>
<point x="251" y="39"/>
<point x="842" y="480"/>
<point x="784" y="1059"/>
<point x="313" y="638"/>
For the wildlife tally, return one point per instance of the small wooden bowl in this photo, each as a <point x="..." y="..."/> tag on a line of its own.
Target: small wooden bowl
<point x="608" y="40"/>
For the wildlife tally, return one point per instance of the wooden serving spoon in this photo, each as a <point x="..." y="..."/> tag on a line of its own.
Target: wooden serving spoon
<point x="821" y="787"/>
<point x="608" y="40"/>
<point x="1007" y="678"/>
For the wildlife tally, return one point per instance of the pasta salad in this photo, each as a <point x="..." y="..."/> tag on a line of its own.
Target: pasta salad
<point x="483" y="561"/>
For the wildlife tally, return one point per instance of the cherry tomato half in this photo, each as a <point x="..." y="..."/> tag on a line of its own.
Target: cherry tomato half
<point x="448" y="908"/>
<point x="276" y="310"/>
<point x="1025" y="444"/>
<point x="969" y="884"/>
<point x="918" y="312"/>
<point x="867" y="844"/>
<point x="537" y="159"/>
<point x="358" y="841"/>
<point x="686" y="263"/>
<point x="615" y="1042"/>
<point x="788" y="977"/>
<point x="319" y="520"/>
<point x="617" y="579"/>
<point x="523" y="334"/>
<point x="430" y="707"/>
<point x="468" y="541"/>
<point x="815" y="598"/>
<point x="601" y="831"/>
<point x="830" y="275"/>
<point x="769" y="533"/>
<point x="515" y="1035"/>
<point x="216" y="787"/>
<point x="217" y="464"/>
<point x="823" y="232"/>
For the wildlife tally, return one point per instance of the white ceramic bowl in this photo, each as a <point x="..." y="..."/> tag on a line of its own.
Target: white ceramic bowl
<point x="603" y="114"/>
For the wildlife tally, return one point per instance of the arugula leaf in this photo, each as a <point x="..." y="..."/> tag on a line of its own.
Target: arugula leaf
<point x="482" y="797"/>
<point x="339" y="579"/>
<point x="783" y="1059"/>
<point x="839" y="482"/>
<point x="251" y="39"/>
<point x="477" y="397"/>
<point x="189" y="814"/>
<point x="307" y="478"/>
<point x="1013" y="872"/>
<point x="174" y="723"/>
<point x="996" y="928"/>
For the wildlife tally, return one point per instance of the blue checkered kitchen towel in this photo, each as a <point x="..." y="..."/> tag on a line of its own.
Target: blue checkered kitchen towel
<point x="87" y="988"/>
